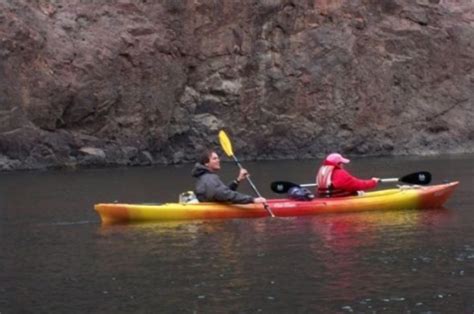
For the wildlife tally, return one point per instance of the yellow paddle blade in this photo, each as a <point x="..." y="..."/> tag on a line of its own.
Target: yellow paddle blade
<point x="225" y="143"/>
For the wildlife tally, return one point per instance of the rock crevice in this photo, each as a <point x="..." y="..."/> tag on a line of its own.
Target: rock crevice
<point x="138" y="83"/>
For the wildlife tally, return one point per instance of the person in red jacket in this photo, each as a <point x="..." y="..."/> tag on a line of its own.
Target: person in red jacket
<point x="333" y="180"/>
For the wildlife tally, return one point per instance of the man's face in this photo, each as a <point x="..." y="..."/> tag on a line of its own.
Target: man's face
<point x="214" y="163"/>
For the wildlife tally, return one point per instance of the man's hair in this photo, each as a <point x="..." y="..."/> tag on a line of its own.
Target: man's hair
<point x="205" y="156"/>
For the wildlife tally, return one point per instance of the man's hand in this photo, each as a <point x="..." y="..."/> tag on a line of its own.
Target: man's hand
<point x="242" y="174"/>
<point x="259" y="200"/>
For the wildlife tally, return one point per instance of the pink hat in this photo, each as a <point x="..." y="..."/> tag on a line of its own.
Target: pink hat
<point x="337" y="159"/>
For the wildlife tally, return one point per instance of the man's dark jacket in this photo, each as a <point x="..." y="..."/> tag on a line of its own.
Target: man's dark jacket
<point x="210" y="188"/>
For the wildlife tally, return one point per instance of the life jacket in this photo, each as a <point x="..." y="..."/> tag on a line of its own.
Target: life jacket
<point x="324" y="182"/>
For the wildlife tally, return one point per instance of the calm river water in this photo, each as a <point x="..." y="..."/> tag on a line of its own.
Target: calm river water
<point x="57" y="258"/>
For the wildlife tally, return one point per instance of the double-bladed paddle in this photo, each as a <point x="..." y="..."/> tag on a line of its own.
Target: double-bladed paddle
<point x="421" y="178"/>
<point x="227" y="147"/>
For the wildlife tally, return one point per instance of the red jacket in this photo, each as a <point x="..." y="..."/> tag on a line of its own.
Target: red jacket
<point x="341" y="182"/>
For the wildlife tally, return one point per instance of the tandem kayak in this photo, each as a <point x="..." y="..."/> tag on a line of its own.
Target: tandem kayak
<point x="404" y="197"/>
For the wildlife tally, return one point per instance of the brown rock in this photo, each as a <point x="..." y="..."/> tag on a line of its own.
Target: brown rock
<point x="151" y="82"/>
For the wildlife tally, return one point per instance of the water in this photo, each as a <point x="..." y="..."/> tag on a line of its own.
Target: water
<point x="57" y="258"/>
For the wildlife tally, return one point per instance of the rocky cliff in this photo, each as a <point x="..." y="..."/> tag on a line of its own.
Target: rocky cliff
<point x="128" y="82"/>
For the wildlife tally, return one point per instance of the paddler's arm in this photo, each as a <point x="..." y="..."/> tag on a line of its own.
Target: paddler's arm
<point x="219" y="192"/>
<point x="227" y="195"/>
<point x="243" y="173"/>
<point x="347" y="182"/>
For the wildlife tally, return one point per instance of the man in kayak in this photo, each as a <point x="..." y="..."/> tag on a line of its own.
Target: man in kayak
<point x="333" y="180"/>
<point x="210" y="188"/>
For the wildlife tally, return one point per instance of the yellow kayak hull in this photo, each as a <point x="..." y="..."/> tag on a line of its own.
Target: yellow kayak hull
<point x="410" y="197"/>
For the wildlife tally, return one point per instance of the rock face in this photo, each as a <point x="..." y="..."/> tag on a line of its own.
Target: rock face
<point x="141" y="82"/>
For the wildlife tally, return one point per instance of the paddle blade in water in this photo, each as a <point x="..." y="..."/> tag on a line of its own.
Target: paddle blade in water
<point x="422" y="178"/>
<point x="225" y="143"/>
